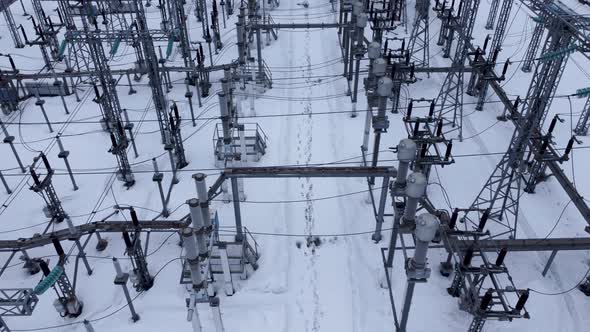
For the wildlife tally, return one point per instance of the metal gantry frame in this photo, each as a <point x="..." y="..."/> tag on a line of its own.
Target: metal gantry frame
<point x="475" y="283"/>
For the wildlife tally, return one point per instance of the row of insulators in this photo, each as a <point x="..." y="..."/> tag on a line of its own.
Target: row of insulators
<point x="479" y="52"/>
<point x="547" y="140"/>
<point x="437" y="133"/>
<point x="200" y="57"/>
<point x="487" y="298"/>
<point x="482" y="221"/>
<point x="373" y="13"/>
<point x="442" y="7"/>
<point x="403" y="53"/>
<point x="174" y="117"/>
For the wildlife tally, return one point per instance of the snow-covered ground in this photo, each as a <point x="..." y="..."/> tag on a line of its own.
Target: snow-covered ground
<point x="330" y="287"/>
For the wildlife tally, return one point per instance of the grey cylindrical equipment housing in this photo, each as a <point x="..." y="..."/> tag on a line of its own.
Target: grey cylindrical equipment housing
<point x="117" y="267"/>
<point x="240" y="32"/>
<point x="357" y="8"/>
<point x="202" y="244"/>
<point x="201" y="186"/>
<point x="224" y="117"/>
<point x="222" y="104"/>
<point x="189" y="243"/>
<point x="416" y="185"/>
<point x="225" y="85"/>
<point x="190" y="247"/>
<point x="361" y="21"/>
<point x="379" y="67"/>
<point x="374" y="51"/>
<point x="203" y="196"/>
<point x="415" y="189"/>
<point x="196" y="213"/>
<point x="384" y="86"/>
<point x="406" y="153"/>
<point x="426" y="227"/>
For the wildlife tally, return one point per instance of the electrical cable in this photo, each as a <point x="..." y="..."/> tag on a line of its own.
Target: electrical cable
<point x="565" y="291"/>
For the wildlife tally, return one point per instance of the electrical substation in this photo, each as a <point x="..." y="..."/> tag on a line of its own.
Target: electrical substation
<point x="294" y="165"/>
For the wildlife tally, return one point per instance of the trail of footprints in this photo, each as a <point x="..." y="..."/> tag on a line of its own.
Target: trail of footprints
<point x="304" y="150"/>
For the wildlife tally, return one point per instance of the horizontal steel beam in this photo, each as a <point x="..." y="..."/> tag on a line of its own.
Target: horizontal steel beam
<point x="295" y="25"/>
<point x="442" y="69"/>
<point x="107" y="226"/>
<point x="559" y="244"/>
<point x="309" y="172"/>
<point x="22" y="76"/>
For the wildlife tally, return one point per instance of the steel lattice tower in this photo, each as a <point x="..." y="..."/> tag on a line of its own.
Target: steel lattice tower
<point x="182" y="34"/>
<point x="159" y="98"/>
<point x="450" y="97"/>
<point x="419" y="39"/>
<point x="109" y="101"/>
<point x="502" y="190"/>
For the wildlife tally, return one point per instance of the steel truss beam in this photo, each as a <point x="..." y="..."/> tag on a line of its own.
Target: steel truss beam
<point x="584" y="122"/>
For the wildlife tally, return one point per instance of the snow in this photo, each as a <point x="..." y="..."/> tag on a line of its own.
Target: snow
<point x="334" y="286"/>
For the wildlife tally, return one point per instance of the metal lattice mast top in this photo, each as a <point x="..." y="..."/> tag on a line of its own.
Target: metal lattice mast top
<point x="450" y="97"/>
<point x="556" y="51"/>
<point x="584" y="124"/>
<point x="46" y="29"/>
<point x="531" y="50"/>
<point x="78" y="55"/>
<point x="492" y="14"/>
<point x="66" y="13"/>
<point x="501" y="26"/>
<point x="495" y="48"/>
<point x="501" y="192"/>
<point x="419" y="39"/>
<point x="18" y="43"/>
